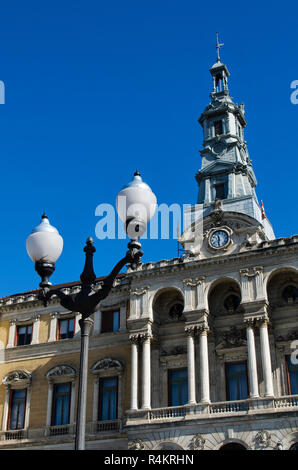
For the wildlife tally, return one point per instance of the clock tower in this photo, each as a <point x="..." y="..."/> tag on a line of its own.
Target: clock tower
<point x="226" y="178"/>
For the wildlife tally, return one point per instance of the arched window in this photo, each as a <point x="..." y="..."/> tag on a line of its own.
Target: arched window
<point x="290" y="294"/>
<point x="233" y="446"/>
<point x="107" y="407"/>
<point x="17" y="403"/>
<point x="224" y="297"/>
<point x="176" y="310"/>
<point x="61" y="397"/>
<point x="231" y="303"/>
<point x="168" y="305"/>
<point x="294" y="446"/>
<point x="282" y="287"/>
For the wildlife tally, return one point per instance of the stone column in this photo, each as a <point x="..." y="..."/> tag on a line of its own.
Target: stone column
<point x="146" y="372"/>
<point x="252" y="361"/>
<point x="191" y="365"/>
<point x="204" y="364"/>
<point x="134" y="373"/>
<point x="266" y="359"/>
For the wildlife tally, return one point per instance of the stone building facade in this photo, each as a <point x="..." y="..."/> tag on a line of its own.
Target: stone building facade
<point x="194" y="353"/>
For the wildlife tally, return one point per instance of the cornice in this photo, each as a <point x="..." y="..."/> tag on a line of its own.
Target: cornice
<point x="29" y="301"/>
<point x="277" y="247"/>
<point x="171" y="267"/>
<point x="65" y="346"/>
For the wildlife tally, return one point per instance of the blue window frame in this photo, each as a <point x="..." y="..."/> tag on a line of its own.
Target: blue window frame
<point x="66" y="328"/>
<point x="178" y="387"/>
<point x="236" y="380"/>
<point x="61" y="404"/>
<point x="17" y="409"/>
<point x="108" y="398"/>
<point x="110" y="321"/>
<point x="292" y="372"/>
<point x="24" y="335"/>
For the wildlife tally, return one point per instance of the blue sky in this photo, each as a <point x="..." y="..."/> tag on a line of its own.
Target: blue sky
<point x="97" y="89"/>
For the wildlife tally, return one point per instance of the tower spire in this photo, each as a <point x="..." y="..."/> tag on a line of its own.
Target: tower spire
<point x="219" y="72"/>
<point x="226" y="171"/>
<point x="218" y="46"/>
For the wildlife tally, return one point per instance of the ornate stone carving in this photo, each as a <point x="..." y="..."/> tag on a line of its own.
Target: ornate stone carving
<point x="174" y="352"/>
<point x="140" y="336"/>
<point x="197" y="442"/>
<point x="255" y="271"/>
<point x="136" y="444"/>
<point x="217" y="213"/>
<point x="145" y="336"/>
<point x="231" y="339"/>
<point x="290" y="336"/>
<point x="263" y="439"/>
<point x="61" y="371"/>
<point x="198" y="328"/>
<point x="134" y="338"/>
<point x="194" y="282"/>
<point x="16" y="377"/>
<point x="140" y="290"/>
<point x="190" y="330"/>
<point x="106" y="364"/>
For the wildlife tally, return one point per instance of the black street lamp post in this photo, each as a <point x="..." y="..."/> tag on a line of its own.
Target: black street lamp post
<point x="44" y="246"/>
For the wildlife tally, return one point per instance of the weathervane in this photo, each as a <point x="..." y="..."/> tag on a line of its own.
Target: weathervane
<point x="218" y="46"/>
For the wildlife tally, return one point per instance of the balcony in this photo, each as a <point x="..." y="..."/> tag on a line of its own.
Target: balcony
<point x="95" y="427"/>
<point x="66" y="433"/>
<point x="62" y="430"/>
<point x="15" y="435"/>
<point x="63" y="433"/>
<point x="222" y="409"/>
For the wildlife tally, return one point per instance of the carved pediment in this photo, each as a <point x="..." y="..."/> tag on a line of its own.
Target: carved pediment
<point x="290" y="336"/>
<point x="107" y="364"/>
<point x="17" y="377"/>
<point x="245" y="232"/>
<point x="233" y="338"/>
<point x="177" y="350"/>
<point x="63" y="370"/>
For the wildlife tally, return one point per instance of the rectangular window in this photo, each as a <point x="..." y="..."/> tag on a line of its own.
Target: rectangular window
<point x="110" y="321"/>
<point x="23" y="335"/>
<point x="292" y="373"/>
<point x="236" y="380"/>
<point x="220" y="191"/>
<point x="218" y="129"/>
<point x="108" y="398"/>
<point x="66" y="328"/>
<point x="178" y="387"/>
<point x="239" y="130"/>
<point x="17" y="409"/>
<point x="61" y="404"/>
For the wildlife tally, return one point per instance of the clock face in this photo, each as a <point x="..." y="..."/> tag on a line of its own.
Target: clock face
<point x="219" y="239"/>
